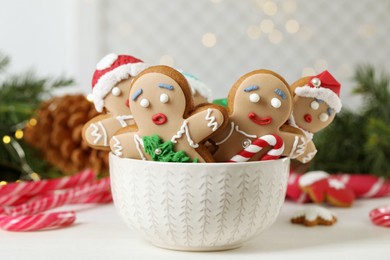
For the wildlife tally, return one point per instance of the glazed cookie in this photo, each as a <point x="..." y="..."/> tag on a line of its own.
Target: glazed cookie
<point x="313" y="216"/>
<point x="315" y="104"/>
<point x="258" y="104"/>
<point x="168" y="125"/>
<point x="110" y="89"/>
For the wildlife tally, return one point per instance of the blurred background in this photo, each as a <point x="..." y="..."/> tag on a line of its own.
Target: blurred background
<point x="216" y="40"/>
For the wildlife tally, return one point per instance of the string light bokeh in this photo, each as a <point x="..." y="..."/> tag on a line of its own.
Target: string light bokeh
<point x="220" y="40"/>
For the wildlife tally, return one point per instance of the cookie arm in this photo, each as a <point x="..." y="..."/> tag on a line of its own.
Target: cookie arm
<point x="127" y="145"/>
<point x="205" y="122"/>
<point x="309" y="153"/>
<point x="294" y="144"/>
<point x="95" y="133"/>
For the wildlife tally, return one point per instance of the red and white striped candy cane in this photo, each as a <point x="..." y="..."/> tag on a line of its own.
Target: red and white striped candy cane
<point x="59" y="199"/>
<point x="37" y="222"/>
<point x="259" y="144"/>
<point x="381" y="216"/>
<point x="365" y="185"/>
<point x="36" y="187"/>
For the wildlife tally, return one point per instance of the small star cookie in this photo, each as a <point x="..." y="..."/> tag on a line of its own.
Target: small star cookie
<point x="313" y="216"/>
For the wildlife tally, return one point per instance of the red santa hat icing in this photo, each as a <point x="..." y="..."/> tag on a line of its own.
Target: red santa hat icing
<point x="111" y="70"/>
<point x="324" y="87"/>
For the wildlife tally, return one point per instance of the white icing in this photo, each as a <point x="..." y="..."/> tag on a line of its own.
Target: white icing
<point x="144" y="103"/>
<point x="111" y="78"/>
<point x="228" y="136"/>
<point x="336" y="184"/>
<point x="244" y="133"/>
<point x="106" y="61"/>
<point x="314" y="105"/>
<point x="184" y="130"/>
<point x="276" y="103"/>
<point x="311" y="177"/>
<point x="296" y="140"/>
<point x="313" y="212"/>
<point x="212" y="121"/>
<point x="118" y="147"/>
<point x="292" y="122"/>
<point x="139" y="142"/>
<point x="95" y="133"/>
<point x="122" y="119"/>
<point x="300" y="149"/>
<point x="164" y="98"/>
<point x="232" y="128"/>
<point x="324" y="117"/>
<point x="254" y="98"/>
<point x="116" y="91"/>
<point x="309" y="157"/>
<point x="104" y="133"/>
<point x="330" y="97"/>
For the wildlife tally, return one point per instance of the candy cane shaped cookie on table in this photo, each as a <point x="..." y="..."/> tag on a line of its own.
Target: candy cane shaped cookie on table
<point x="37" y="222"/>
<point x="275" y="141"/>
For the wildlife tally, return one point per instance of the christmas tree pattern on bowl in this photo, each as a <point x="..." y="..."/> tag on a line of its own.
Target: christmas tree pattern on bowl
<point x="198" y="207"/>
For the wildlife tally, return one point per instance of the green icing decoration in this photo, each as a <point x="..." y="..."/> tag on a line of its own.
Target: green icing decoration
<point x="165" y="150"/>
<point x="221" y="102"/>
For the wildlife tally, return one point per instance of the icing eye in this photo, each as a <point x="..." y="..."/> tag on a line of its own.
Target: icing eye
<point x="275" y="102"/>
<point x="116" y="91"/>
<point x="254" y="98"/>
<point x="324" y="117"/>
<point x="314" y="105"/>
<point x="144" y="103"/>
<point x="164" y="98"/>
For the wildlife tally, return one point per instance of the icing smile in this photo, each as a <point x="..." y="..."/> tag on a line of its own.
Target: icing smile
<point x="307" y="118"/>
<point x="259" y="120"/>
<point x="159" y="119"/>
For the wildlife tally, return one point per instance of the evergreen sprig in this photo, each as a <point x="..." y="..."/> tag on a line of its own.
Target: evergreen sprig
<point x="20" y="96"/>
<point x="359" y="141"/>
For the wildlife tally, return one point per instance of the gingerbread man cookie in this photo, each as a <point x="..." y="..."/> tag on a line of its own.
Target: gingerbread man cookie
<point x="110" y="89"/>
<point x="315" y="104"/>
<point x="162" y="106"/>
<point x="313" y="216"/>
<point x="258" y="104"/>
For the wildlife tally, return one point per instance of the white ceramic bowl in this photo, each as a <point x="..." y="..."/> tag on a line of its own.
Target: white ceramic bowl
<point x="198" y="206"/>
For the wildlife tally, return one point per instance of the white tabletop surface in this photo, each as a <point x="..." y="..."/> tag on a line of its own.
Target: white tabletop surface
<point x="99" y="233"/>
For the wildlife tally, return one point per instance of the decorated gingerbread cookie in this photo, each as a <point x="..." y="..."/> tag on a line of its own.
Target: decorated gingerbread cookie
<point x="110" y="89"/>
<point x="169" y="129"/>
<point x="321" y="188"/>
<point x="258" y="105"/>
<point x="315" y="104"/>
<point x="313" y="216"/>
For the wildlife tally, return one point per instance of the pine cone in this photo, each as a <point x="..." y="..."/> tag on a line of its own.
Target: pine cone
<point x="57" y="135"/>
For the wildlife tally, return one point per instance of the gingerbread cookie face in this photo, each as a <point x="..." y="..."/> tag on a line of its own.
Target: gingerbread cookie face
<point x="258" y="105"/>
<point x="312" y="114"/>
<point x="110" y="88"/>
<point x="260" y="100"/>
<point x="116" y="102"/>
<point x="161" y="104"/>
